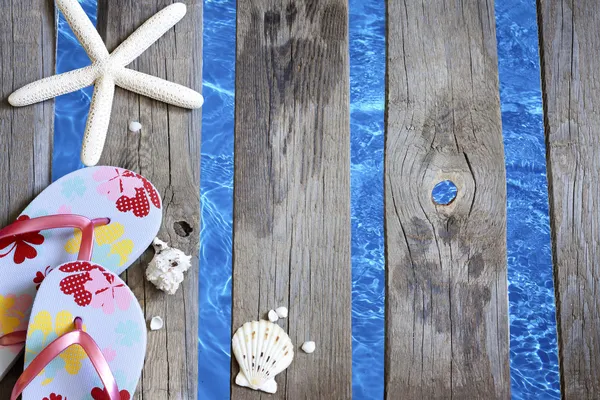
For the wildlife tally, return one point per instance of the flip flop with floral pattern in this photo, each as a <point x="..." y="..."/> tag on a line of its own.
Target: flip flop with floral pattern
<point x="113" y="211"/>
<point x="86" y="337"/>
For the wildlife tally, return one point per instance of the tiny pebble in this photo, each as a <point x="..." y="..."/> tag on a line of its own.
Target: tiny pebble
<point x="273" y="317"/>
<point x="282" y="312"/>
<point x="135" y="126"/>
<point x="309" y="347"/>
<point x="156" y="323"/>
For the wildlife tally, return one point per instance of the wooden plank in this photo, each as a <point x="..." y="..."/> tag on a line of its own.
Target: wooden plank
<point x="570" y="79"/>
<point x="167" y="152"/>
<point x="446" y="309"/>
<point x="292" y="186"/>
<point x="27" y="39"/>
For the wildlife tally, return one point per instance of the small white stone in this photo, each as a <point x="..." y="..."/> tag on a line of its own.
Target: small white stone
<point x="309" y="347"/>
<point x="273" y="317"/>
<point x="135" y="126"/>
<point x="282" y="312"/>
<point x="156" y="323"/>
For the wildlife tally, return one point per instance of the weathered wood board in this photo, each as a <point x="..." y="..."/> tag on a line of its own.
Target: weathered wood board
<point x="446" y="308"/>
<point x="167" y="152"/>
<point x="570" y="66"/>
<point x="292" y="186"/>
<point x="26" y="54"/>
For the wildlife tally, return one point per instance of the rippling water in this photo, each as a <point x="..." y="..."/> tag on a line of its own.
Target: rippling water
<point x="533" y="346"/>
<point x="367" y="99"/>
<point x="534" y="367"/>
<point x="70" y="109"/>
<point x="217" y="199"/>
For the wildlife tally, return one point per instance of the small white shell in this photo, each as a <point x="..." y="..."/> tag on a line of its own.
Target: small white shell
<point x="262" y="350"/>
<point x="135" y="126"/>
<point x="273" y="317"/>
<point x="282" y="312"/>
<point x="156" y="323"/>
<point x="309" y="347"/>
<point x="166" y="269"/>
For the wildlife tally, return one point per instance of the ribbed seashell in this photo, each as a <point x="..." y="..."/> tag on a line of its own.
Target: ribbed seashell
<point x="262" y="350"/>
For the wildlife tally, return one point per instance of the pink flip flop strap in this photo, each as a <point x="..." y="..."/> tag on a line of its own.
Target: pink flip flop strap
<point x="13" y="338"/>
<point x="52" y="222"/>
<point x="76" y="337"/>
<point x="59" y="221"/>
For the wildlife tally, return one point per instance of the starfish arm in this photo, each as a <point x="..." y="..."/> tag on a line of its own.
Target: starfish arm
<point x="147" y="34"/>
<point x="84" y="29"/>
<point x="98" y="120"/>
<point x="158" y="88"/>
<point x="53" y="86"/>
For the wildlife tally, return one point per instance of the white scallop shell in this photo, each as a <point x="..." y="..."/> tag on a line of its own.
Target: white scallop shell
<point x="262" y="350"/>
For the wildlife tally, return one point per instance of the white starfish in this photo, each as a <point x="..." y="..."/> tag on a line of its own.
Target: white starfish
<point x="108" y="70"/>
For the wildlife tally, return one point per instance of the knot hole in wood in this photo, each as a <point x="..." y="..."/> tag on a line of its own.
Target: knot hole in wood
<point x="444" y="193"/>
<point x="450" y="174"/>
<point x="182" y="228"/>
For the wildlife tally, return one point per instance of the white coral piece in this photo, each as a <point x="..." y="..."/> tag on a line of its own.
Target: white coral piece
<point x="108" y="70"/>
<point x="166" y="269"/>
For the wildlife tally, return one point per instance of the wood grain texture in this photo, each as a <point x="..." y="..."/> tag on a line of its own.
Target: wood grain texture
<point x="446" y="305"/>
<point x="27" y="40"/>
<point x="570" y="45"/>
<point x="292" y="186"/>
<point x="167" y="152"/>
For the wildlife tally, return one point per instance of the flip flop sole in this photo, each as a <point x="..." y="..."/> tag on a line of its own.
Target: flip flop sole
<point x="111" y="315"/>
<point x="128" y="199"/>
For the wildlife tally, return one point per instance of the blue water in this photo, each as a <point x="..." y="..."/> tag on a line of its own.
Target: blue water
<point x="70" y="109"/>
<point x="444" y="192"/>
<point x="217" y="199"/>
<point x="367" y="99"/>
<point x="533" y="345"/>
<point x="534" y="367"/>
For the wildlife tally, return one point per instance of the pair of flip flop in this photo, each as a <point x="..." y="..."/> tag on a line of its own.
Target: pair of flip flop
<point x="61" y="299"/>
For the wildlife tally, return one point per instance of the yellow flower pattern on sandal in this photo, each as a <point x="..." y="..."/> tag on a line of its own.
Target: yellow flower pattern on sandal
<point x="109" y="250"/>
<point x="42" y="332"/>
<point x="14" y="313"/>
<point x="8" y="322"/>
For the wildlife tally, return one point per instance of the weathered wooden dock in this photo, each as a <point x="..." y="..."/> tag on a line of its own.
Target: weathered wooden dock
<point x="446" y="309"/>
<point x="569" y="45"/>
<point x="291" y="243"/>
<point x="166" y="151"/>
<point x="446" y="306"/>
